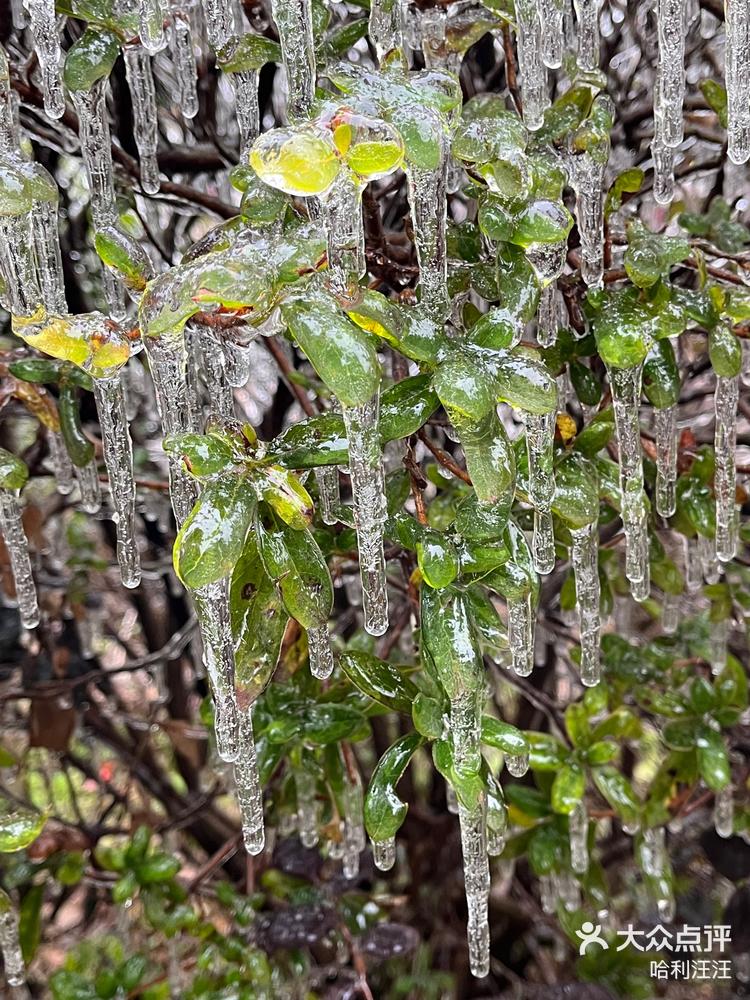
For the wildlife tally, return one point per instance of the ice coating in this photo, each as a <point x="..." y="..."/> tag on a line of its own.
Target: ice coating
<point x="663" y="159"/>
<point x="725" y="445"/>
<point x="473" y="824"/>
<point x="247" y="780"/>
<point x="517" y="764"/>
<point x="465" y="728"/>
<point x="18" y="550"/>
<point x="88" y="483"/>
<point x="737" y="78"/>
<point x="43" y="23"/>
<point x="62" y="467"/>
<point x="384" y="853"/>
<point x="368" y="493"/>
<point x="307" y="806"/>
<point x="385" y="26"/>
<point x="584" y="556"/>
<point x="145" y="123"/>
<point x="665" y="426"/>
<point x="245" y="83"/>
<point x="48" y="258"/>
<point x="294" y="22"/>
<point x="540" y="434"/>
<point x="151" y="17"/>
<point x="551" y="15"/>
<point x="355" y="839"/>
<point x="327" y="478"/>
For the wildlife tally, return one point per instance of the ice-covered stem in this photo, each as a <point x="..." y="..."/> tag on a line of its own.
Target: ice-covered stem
<point x="183" y="58"/>
<point x="118" y="458"/>
<point x="342" y="213"/>
<point x="245" y="83"/>
<point x="465" y="728"/>
<point x="427" y="201"/>
<point x="578" y="833"/>
<point x="587" y="15"/>
<point x="725" y="444"/>
<point x="151" y="17"/>
<point x="531" y="68"/>
<point x="626" y="397"/>
<point x="737" y="78"/>
<point x="665" y="426"/>
<point x="213" y="371"/>
<point x="368" y="495"/>
<point x="587" y="177"/>
<point x="10" y="944"/>
<point x="9" y="136"/>
<point x="145" y="122"/>
<point x="294" y="22"/>
<point x="669" y="89"/>
<point x="43" y="22"/>
<point x="473" y="823"/>
<point x="584" y="556"/>
<point x="247" y="780"/>
<point x="18" y="551"/>
<point x="540" y="434"/>
<point x="551" y="15"/>
<point x="521" y="633"/>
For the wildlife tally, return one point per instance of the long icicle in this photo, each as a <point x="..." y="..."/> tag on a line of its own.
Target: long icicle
<point x="725" y="444"/>
<point x="368" y="493"/>
<point x="10" y="944"/>
<point x="145" y="122"/>
<point x="294" y="22"/>
<point x="551" y="15"/>
<point x="584" y="556"/>
<point x="245" y="83"/>
<point x="151" y="16"/>
<point x="18" y="551"/>
<point x="540" y="433"/>
<point x="118" y="457"/>
<point x="587" y="15"/>
<point x="578" y="833"/>
<point x="737" y="78"/>
<point x="532" y="71"/>
<point x="521" y="633"/>
<point x="427" y="201"/>
<point x="48" y="256"/>
<point x="626" y="396"/>
<point x="43" y="20"/>
<point x="249" y="790"/>
<point x="665" y="421"/>
<point x="342" y="213"/>
<point x="355" y="839"/>
<point x="473" y="823"/>
<point x="587" y="177"/>
<point x="669" y="91"/>
<point x="183" y="57"/>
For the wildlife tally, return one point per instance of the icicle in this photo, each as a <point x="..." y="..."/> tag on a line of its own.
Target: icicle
<point x="584" y="556"/>
<point x="221" y="27"/>
<point x="307" y="806"/>
<point x="451" y="800"/>
<point x="294" y="22"/>
<point x="670" y="614"/>
<point x="118" y="458"/>
<point x="532" y="72"/>
<point x="670" y="86"/>
<point x="548" y="316"/>
<point x="540" y="433"/>
<point x="213" y="372"/>
<point x="626" y="396"/>
<point x="745" y="343"/>
<point x="212" y="608"/>
<point x="725" y="443"/>
<point x="653" y="852"/>
<point x="587" y="15"/>
<point x="17" y="265"/>
<point x="368" y="493"/>
<point x="737" y="75"/>
<point x="587" y="178"/>
<point x="183" y="57"/>
<point x="521" y="634"/>
<point x="62" y="467"/>
<point x="385" y="26"/>
<point x="321" y="654"/>
<point x="693" y="571"/>
<point x="145" y="121"/>
<point x="48" y="256"/>
<point x="578" y="832"/>
<point x="151" y="24"/>
<point x="663" y="159"/>
<point x="346" y="238"/>
<point x="548" y="893"/>
<point x="465" y="718"/>
<point x="718" y="642"/>
<point x="710" y="568"/>
<point x="247" y="779"/>
<point x="473" y="824"/>
<point x="384" y="853"/>
<point x="355" y="840"/>
<point x="517" y="764"/>
<point x="495" y="842"/>
<point x="88" y="482"/>
<point x="327" y="478"/>
<point x="724" y="812"/>
<point x="18" y="551"/>
<point x="665" y="421"/>
<point x="10" y="944"/>
<point x="245" y="83"/>
<point x="96" y="147"/>
<point x="427" y="201"/>
<point x="43" y="20"/>
<point x="551" y="15"/>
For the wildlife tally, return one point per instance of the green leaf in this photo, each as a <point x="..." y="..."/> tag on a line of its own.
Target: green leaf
<point x="252" y="52"/>
<point x="628" y="182"/>
<point x="716" y="98"/>
<point x="731" y="685"/>
<point x="713" y="761"/>
<point x="503" y="736"/>
<point x="317" y="441"/>
<point x="385" y="683"/>
<point x="437" y="559"/>
<point x="568" y="788"/>
<point x="341" y="353"/>
<point x="546" y="753"/>
<point x="156" y="868"/>
<point x="587" y="386"/>
<point x="384" y="810"/>
<point x="211" y="540"/>
<point x="596" y="435"/>
<point x="428" y="716"/>
<point x="124" y="254"/>
<point x="294" y="560"/>
<point x="30" y="922"/>
<point x="258" y="624"/>
<point x="650" y="255"/>
<point x="89" y="59"/>
<point x="406" y="406"/>
<point x="546" y="849"/>
<point x="577" y="725"/>
<point x="284" y="494"/>
<point x="298" y="161"/>
<point x="522" y="379"/>
<point x="618" y="791"/>
<point x="489" y="458"/>
<point x="661" y="375"/>
<point x="623" y="329"/>
<point x="542" y="222"/>
<point x="204" y="455"/>
<point x="13" y="472"/>
<point x="466" y="391"/>
<point x="725" y="351"/>
<point x="576" y="497"/>
<point x="77" y="445"/>
<point x="448" y="637"/>
<point x="19" y="826"/>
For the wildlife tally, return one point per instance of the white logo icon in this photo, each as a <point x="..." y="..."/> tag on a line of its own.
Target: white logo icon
<point x="590" y="934"/>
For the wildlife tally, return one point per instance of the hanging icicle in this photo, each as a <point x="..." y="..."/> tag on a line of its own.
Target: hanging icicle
<point x="626" y="397"/>
<point x="587" y="178"/>
<point x="18" y="551"/>
<point x="10" y="944"/>
<point x="294" y="22"/>
<point x="307" y="806"/>
<point x="355" y="839"/>
<point x="47" y="243"/>
<point x="670" y="613"/>
<point x="663" y="159"/>
<point x="62" y="467"/>
<point x="342" y="208"/>
<point x="521" y="633"/>
<point x="540" y="434"/>
<point x="327" y="478"/>
<point x="43" y="22"/>
<point x="587" y="16"/>
<point x="245" y="83"/>
<point x="552" y="15"/>
<point x="737" y="78"/>
<point x="427" y="201"/>
<point x="247" y="780"/>
<point x="531" y="68"/>
<point x="88" y="483"/>
<point x="151" y="17"/>
<point x="473" y="824"/>
<point x="724" y="811"/>
<point x="368" y="493"/>
<point x="385" y="27"/>
<point x="578" y="833"/>
<point x="183" y="57"/>
<point x="585" y="558"/>
<point x="665" y="421"/>
<point x="669" y="89"/>
<point x="145" y="122"/>
<point x="725" y="444"/>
